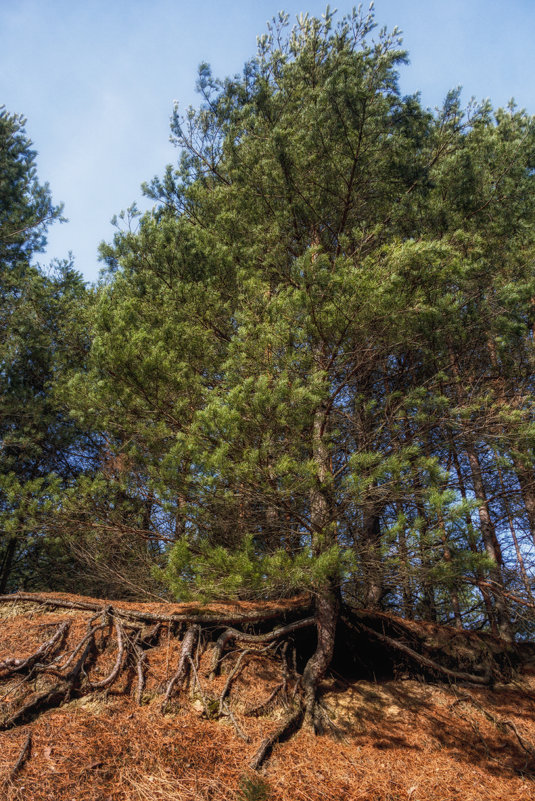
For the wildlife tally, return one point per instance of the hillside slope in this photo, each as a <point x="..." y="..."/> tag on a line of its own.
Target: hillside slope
<point x="402" y="736"/>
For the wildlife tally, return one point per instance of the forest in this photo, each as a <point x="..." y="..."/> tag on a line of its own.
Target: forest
<point x="307" y="373"/>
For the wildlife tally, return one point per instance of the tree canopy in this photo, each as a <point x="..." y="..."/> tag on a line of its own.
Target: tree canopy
<point x="309" y="355"/>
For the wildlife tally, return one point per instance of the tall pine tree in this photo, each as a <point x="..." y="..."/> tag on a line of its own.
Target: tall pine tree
<point x="301" y="359"/>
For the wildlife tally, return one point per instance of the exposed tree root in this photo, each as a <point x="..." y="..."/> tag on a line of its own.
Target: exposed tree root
<point x="214" y="618"/>
<point x="232" y="635"/>
<point x="454" y="675"/>
<point x="181" y="674"/>
<point x="264" y="706"/>
<point x="326" y="619"/>
<point x="117" y="643"/>
<point x="226" y="710"/>
<point x="108" y="681"/>
<point x="39" y="703"/>
<point x="231" y="677"/>
<point x="59" y="692"/>
<point x="72" y="674"/>
<point x="46" y="649"/>
<point x="141" y="657"/>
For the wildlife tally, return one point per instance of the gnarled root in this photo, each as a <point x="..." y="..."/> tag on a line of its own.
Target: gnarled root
<point x="188" y="643"/>
<point x="326" y="620"/>
<point x="234" y="635"/>
<point x="426" y="662"/>
<point x="71" y="674"/>
<point x="124" y="637"/>
<point x="14" y="665"/>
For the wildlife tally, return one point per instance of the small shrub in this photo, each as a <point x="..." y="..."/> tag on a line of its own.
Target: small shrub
<point x="253" y="789"/>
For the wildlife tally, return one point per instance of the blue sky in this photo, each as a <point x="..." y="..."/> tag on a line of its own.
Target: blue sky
<point x="96" y="81"/>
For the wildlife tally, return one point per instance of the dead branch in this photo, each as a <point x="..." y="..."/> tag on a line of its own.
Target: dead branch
<point x="25" y="753"/>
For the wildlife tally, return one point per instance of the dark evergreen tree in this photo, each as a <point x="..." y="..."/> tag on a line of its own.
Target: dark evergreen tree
<point x="41" y="448"/>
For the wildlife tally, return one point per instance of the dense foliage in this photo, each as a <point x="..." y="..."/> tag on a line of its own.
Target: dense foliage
<point x="311" y="366"/>
<point x="41" y="447"/>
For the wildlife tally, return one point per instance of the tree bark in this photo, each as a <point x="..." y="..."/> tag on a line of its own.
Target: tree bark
<point x="327" y="595"/>
<point x="455" y="603"/>
<point x="519" y="557"/>
<point x="371" y="556"/>
<point x="406" y="590"/>
<point x="471" y="538"/>
<point x="326" y="615"/>
<point x="526" y="481"/>
<point x="490" y="541"/>
<point x="7" y="563"/>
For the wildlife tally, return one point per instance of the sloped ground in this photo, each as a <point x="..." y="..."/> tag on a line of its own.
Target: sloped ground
<point x="393" y="739"/>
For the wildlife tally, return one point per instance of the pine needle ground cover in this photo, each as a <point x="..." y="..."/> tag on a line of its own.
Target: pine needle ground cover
<point x="402" y="736"/>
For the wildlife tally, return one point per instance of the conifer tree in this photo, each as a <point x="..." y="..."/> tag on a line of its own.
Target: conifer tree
<point x="37" y="313"/>
<point x="301" y="359"/>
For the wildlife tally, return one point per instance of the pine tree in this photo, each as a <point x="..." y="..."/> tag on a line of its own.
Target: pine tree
<point x="301" y="358"/>
<point x="37" y="310"/>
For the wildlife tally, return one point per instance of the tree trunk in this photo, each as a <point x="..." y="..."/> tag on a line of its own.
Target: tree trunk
<point x="7" y="563"/>
<point x="490" y="541"/>
<point x="526" y="481"/>
<point x="519" y="557"/>
<point x="455" y="603"/>
<point x="406" y="590"/>
<point x="326" y="614"/>
<point x="371" y="558"/>
<point x="327" y="595"/>
<point x="471" y="538"/>
<point x="428" y="604"/>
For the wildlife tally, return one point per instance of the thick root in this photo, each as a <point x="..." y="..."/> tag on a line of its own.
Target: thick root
<point x="234" y="635"/>
<point x="45" y="650"/>
<point x="431" y="664"/>
<point x="184" y="662"/>
<point x="212" y="619"/>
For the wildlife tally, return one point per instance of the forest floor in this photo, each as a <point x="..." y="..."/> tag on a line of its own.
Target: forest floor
<point x="392" y="739"/>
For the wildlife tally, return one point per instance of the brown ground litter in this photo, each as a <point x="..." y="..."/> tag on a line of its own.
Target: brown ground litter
<point x="391" y="740"/>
